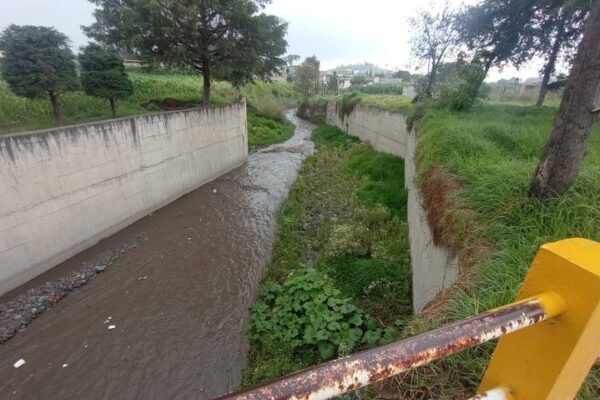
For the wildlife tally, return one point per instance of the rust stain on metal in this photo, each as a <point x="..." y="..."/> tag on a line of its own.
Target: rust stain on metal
<point x="350" y="373"/>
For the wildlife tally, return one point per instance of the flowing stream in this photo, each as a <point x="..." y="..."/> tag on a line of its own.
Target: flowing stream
<point x="178" y="301"/>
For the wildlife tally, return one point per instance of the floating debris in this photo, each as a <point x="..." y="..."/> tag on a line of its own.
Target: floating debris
<point x="19" y="363"/>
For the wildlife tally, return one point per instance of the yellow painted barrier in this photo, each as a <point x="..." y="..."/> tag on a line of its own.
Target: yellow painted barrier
<point x="551" y="360"/>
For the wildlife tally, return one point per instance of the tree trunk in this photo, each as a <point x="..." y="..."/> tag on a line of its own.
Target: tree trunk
<point x="113" y="108"/>
<point x="431" y="81"/>
<point x="56" y="109"/>
<point x="206" y="84"/>
<point x="578" y="111"/>
<point x="551" y="64"/>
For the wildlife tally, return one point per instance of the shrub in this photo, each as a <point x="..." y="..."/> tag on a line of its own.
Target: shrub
<point x="379" y="88"/>
<point x="347" y="103"/>
<point x="314" y="109"/>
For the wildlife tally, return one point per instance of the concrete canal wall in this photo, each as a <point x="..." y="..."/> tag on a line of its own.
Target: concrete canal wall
<point x="62" y="190"/>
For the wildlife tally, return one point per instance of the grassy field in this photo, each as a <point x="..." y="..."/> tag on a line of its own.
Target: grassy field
<point x="339" y="279"/>
<point x="21" y="114"/>
<point x="488" y="156"/>
<point x="387" y="101"/>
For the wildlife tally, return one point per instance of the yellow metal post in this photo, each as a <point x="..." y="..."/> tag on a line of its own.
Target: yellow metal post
<point x="551" y="360"/>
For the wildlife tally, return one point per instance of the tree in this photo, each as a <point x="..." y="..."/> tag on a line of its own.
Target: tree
<point x="433" y="39"/>
<point x="291" y="59"/>
<point x="307" y="76"/>
<point x="224" y="39"/>
<point x="358" y="80"/>
<point x="103" y="75"/>
<point x="579" y="108"/>
<point x="560" y="30"/>
<point x="333" y="83"/>
<point x="502" y="31"/>
<point x="38" y="62"/>
<point x="405" y="76"/>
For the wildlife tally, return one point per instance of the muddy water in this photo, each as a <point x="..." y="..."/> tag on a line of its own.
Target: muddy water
<point x="178" y="301"/>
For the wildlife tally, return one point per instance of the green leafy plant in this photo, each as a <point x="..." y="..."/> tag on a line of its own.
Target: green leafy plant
<point x="307" y="314"/>
<point x="347" y="103"/>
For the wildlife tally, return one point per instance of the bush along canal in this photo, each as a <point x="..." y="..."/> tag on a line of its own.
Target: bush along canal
<point x="339" y="278"/>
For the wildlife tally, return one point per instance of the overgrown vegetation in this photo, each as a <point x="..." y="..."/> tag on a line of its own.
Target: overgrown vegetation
<point x="339" y="278"/>
<point x="314" y="109"/>
<point x="390" y="102"/>
<point x="263" y="131"/>
<point x="491" y="153"/>
<point x="379" y="88"/>
<point x="346" y="104"/>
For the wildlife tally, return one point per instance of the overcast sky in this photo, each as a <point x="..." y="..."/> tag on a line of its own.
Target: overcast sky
<point x="336" y="31"/>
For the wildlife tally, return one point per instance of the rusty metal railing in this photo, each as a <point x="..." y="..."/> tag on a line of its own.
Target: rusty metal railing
<point x="353" y="372"/>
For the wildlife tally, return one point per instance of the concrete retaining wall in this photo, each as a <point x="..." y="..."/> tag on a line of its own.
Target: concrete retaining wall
<point x="385" y="130"/>
<point x="62" y="190"/>
<point x="433" y="268"/>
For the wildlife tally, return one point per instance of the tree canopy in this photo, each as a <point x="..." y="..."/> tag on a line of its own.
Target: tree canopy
<point x="503" y="31"/>
<point x="103" y="75"/>
<point x="231" y="40"/>
<point x="433" y="41"/>
<point x="307" y="75"/>
<point x="38" y="62"/>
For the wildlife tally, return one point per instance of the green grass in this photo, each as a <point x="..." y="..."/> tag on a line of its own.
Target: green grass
<point x="388" y="101"/>
<point x="493" y="152"/>
<point x="22" y="114"/>
<point x="357" y="243"/>
<point x="526" y="99"/>
<point x="263" y="131"/>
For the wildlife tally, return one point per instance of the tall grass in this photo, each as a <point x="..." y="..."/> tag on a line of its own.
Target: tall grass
<point x="263" y="131"/>
<point x="388" y="101"/>
<point x="270" y="99"/>
<point x="493" y="152"/>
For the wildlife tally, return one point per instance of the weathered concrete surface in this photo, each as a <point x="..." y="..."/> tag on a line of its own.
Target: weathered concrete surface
<point x="433" y="268"/>
<point x="179" y="300"/>
<point x="384" y="130"/>
<point x="62" y="190"/>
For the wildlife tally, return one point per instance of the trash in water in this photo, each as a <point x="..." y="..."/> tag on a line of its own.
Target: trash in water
<point x="214" y="190"/>
<point x="19" y="363"/>
<point x="65" y="365"/>
<point x="111" y="327"/>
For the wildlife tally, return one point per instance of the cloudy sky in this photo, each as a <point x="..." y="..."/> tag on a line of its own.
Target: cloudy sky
<point x="336" y="31"/>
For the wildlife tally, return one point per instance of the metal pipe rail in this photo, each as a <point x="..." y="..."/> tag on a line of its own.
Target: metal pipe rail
<point x="350" y="373"/>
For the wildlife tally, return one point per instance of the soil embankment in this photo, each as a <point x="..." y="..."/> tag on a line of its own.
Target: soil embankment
<point x="178" y="300"/>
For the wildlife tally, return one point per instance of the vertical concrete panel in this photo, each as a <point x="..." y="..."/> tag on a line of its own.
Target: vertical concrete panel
<point x="65" y="189"/>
